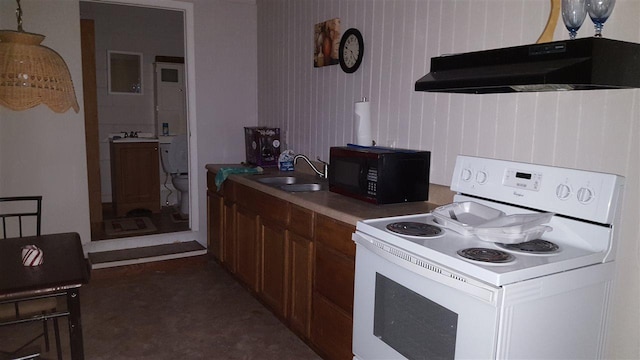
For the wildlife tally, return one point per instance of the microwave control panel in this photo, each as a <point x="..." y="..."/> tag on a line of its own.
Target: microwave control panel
<point x="372" y="181"/>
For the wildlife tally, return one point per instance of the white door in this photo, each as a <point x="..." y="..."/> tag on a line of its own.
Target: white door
<point x="170" y="98"/>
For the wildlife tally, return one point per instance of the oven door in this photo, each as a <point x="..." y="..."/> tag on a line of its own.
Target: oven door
<point x="405" y="307"/>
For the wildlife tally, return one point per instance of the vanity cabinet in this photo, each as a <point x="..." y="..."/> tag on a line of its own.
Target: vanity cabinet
<point x="135" y="177"/>
<point x="298" y="263"/>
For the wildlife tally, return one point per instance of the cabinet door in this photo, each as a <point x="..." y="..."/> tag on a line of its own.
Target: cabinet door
<point x="273" y="282"/>
<point x="247" y="244"/>
<point x="334" y="277"/>
<point x="135" y="177"/>
<point x="334" y="262"/>
<point x="301" y="250"/>
<point x="332" y="330"/>
<point x="215" y="221"/>
<point x="229" y="236"/>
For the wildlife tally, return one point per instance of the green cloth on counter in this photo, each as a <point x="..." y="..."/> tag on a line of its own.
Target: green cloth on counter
<point x="223" y="173"/>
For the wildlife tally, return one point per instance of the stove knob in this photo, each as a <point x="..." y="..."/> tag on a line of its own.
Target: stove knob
<point x="466" y="174"/>
<point x="585" y="195"/>
<point x="481" y="177"/>
<point x="563" y="191"/>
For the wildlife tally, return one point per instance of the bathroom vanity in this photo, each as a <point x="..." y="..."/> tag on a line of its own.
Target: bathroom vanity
<point x="135" y="175"/>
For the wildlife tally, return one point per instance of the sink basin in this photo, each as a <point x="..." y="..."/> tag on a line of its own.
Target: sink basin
<point x="292" y="183"/>
<point x="302" y="187"/>
<point x="134" y="140"/>
<point x="278" y="180"/>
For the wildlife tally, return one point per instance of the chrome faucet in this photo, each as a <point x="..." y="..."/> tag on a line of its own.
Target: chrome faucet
<point x="323" y="174"/>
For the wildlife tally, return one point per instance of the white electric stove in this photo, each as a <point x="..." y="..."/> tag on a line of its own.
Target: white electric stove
<point x="491" y="297"/>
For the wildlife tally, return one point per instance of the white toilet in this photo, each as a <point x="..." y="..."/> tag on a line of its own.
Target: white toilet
<point x="175" y="161"/>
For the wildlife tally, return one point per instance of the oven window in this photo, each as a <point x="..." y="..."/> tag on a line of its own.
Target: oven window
<point x="413" y="325"/>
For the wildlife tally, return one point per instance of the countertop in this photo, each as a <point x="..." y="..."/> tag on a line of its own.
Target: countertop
<point x="334" y="205"/>
<point x="133" y="140"/>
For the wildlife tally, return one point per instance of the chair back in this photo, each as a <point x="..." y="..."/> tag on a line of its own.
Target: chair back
<point x="20" y="213"/>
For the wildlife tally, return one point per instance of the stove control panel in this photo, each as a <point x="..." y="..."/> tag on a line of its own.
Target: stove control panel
<point x="587" y="195"/>
<point x="522" y="179"/>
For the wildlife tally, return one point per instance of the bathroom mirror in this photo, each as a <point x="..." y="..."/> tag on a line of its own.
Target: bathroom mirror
<point x="124" y="72"/>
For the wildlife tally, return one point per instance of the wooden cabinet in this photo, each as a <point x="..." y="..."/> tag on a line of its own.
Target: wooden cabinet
<point x="334" y="262"/>
<point x="300" y="264"/>
<point x="215" y="218"/>
<point x="135" y="177"/>
<point x="228" y="258"/>
<point x="274" y="251"/>
<point x="301" y="269"/>
<point x="273" y="283"/>
<point x="247" y="247"/>
<point x="300" y="260"/>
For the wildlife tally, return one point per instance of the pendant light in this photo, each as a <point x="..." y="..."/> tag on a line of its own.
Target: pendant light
<point x="33" y="74"/>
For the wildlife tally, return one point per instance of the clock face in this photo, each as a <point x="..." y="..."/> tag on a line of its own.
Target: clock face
<point x="351" y="51"/>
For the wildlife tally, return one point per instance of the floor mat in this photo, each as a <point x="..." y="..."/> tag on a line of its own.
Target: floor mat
<point x="129" y="226"/>
<point x="177" y="217"/>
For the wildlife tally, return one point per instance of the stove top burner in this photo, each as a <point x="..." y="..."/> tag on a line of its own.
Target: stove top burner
<point x="485" y="255"/>
<point x="537" y="246"/>
<point x="416" y="229"/>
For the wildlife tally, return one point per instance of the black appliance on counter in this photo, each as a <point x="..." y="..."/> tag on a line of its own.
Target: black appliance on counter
<point x="380" y="175"/>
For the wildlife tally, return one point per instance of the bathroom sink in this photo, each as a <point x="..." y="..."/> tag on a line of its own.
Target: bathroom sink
<point x="133" y="140"/>
<point x="278" y="180"/>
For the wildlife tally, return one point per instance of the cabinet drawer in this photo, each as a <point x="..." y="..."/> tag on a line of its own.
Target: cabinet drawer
<point x="301" y="221"/>
<point x="229" y="191"/>
<point x="336" y="235"/>
<point x="270" y="207"/>
<point x="211" y="181"/>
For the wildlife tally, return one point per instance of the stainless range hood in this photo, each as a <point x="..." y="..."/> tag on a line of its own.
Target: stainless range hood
<point x="581" y="64"/>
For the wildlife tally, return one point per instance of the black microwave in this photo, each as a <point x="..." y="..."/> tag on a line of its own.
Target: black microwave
<point x="380" y="175"/>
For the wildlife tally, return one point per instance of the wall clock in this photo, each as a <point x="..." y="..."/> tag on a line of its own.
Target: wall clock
<point x="351" y="50"/>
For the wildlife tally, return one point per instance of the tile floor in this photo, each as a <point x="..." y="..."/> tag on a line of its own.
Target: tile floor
<point x="195" y="311"/>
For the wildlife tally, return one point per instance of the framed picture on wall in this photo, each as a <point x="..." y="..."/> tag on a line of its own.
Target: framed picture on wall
<point x="326" y="40"/>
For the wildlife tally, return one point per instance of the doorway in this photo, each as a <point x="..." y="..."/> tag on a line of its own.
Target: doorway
<point x="151" y="32"/>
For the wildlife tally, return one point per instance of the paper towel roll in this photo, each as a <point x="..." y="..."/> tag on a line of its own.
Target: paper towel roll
<point x="362" y="129"/>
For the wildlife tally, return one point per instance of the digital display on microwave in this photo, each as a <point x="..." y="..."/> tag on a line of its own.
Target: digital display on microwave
<point x="346" y="172"/>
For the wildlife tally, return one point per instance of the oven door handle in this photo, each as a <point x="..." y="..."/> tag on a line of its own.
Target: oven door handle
<point x="428" y="269"/>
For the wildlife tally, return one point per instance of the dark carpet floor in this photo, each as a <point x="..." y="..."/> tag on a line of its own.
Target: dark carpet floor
<point x="197" y="312"/>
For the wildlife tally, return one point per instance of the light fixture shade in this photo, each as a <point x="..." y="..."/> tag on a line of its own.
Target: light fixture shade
<point x="32" y="74"/>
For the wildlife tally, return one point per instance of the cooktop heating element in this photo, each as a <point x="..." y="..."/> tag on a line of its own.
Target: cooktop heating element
<point x="492" y="256"/>
<point x="417" y="229"/>
<point x="538" y="246"/>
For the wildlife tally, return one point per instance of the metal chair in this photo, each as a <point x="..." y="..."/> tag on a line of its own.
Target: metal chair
<point x="16" y="215"/>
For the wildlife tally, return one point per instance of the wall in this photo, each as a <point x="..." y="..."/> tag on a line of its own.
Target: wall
<point x="152" y="32"/>
<point x="590" y="130"/>
<point x="44" y="153"/>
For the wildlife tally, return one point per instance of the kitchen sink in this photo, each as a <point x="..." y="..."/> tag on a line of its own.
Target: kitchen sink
<point x="293" y="183"/>
<point x="302" y="187"/>
<point x="278" y="180"/>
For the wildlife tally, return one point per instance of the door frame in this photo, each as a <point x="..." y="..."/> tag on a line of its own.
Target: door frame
<point x="190" y="86"/>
